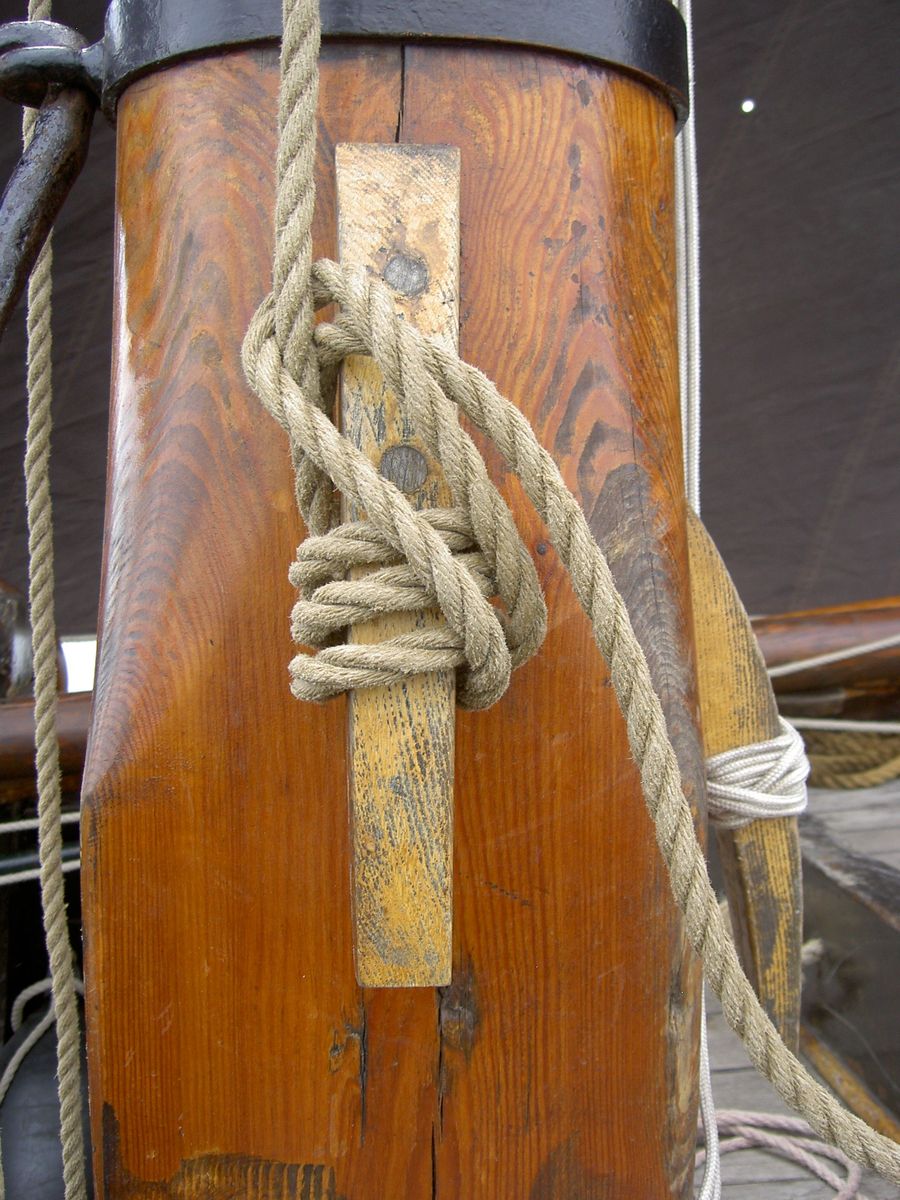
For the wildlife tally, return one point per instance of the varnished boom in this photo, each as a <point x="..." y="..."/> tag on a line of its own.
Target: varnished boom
<point x="230" y="1047"/>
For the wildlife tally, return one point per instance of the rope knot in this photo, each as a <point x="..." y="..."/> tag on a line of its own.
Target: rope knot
<point x="453" y="560"/>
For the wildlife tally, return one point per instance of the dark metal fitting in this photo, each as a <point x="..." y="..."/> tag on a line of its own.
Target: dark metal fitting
<point x="645" y="38"/>
<point x="38" y="55"/>
<point x="42" y="65"/>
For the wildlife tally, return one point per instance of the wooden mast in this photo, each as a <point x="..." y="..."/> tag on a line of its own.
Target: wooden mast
<point x="229" y="1043"/>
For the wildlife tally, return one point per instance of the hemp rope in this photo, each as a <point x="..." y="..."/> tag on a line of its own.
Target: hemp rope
<point x="687" y="283"/>
<point x="43" y="624"/>
<point x="852" y="760"/>
<point x="293" y="368"/>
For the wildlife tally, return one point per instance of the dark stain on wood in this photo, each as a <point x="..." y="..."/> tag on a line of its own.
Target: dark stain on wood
<point x="407" y="274"/>
<point x="458" y="1014"/>
<point x="216" y="1176"/>
<point x="628" y="522"/>
<point x="564" y="1176"/>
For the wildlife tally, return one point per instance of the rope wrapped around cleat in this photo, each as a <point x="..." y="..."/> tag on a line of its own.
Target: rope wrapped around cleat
<point x="293" y="366"/>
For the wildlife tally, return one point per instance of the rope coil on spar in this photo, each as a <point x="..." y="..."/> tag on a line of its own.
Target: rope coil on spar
<point x="765" y="780"/>
<point x="293" y="368"/>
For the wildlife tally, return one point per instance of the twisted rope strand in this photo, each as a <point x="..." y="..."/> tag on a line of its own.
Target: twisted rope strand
<point x="852" y="760"/>
<point x="295" y="200"/>
<point x="430" y="363"/>
<point x="426" y="376"/>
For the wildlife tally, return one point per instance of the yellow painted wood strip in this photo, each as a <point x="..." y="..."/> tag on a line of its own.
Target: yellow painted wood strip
<point x="761" y="860"/>
<point x="398" y="215"/>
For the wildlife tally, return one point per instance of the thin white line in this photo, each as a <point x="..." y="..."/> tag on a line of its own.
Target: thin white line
<point x="67" y="818"/>
<point x="836" y="723"/>
<point x="73" y="864"/>
<point x="833" y="656"/>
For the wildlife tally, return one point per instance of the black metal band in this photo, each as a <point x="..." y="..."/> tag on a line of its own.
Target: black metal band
<point x="643" y="37"/>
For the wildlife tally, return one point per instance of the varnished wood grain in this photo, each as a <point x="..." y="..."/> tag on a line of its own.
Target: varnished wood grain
<point x="223" y="1013"/>
<point x="574" y="1001"/>
<point x="760" y="860"/>
<point x="398" y="216"/>
<point x="224" y="1019"/>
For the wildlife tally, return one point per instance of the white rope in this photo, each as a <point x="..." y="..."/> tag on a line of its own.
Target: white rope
<point x="711" y="1186"/>
<point x="687" y="259"/>
<point x="847" y="726"/>
<point x="687" y="254"/>
<point x="23" y="826"/>
<point x="29" y="1042"/>
<point x="23" y="1049"/>
<point x="74" y="864"/>
<point x="767" y="779"/>
<point x="834" y="656"/>
<point x="17" y="1012"/>
<point x="792" y="1139"/>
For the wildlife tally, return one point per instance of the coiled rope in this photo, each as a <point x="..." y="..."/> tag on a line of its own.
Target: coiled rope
<point x="767" y="779"/>
<point x="791" y="1139"/>
<point x="293" y="368"/>
<point x="852" y="759"/>
<point x="43" y="624"/>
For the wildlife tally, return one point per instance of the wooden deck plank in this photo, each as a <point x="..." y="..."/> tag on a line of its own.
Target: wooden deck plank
<point x="866" y="821"/>
<point x="756" y="1174"/>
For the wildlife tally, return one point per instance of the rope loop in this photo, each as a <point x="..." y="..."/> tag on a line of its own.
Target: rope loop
<point x="453" y="560"/>
<point x="433" y="385"/>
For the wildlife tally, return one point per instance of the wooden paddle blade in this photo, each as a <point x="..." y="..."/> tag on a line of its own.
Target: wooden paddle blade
<point x="760" y="860"/>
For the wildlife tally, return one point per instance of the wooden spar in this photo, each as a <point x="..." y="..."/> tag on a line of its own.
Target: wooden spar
<point x="760" y="860"/>
<point x="860" y="686"/>
<point x="228" y="1038"/>
<point x="398" y="216"/>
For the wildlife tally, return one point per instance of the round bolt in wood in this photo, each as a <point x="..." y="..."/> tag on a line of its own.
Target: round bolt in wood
<point x="407" y="274"/>
<point x="405" y="467"/>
